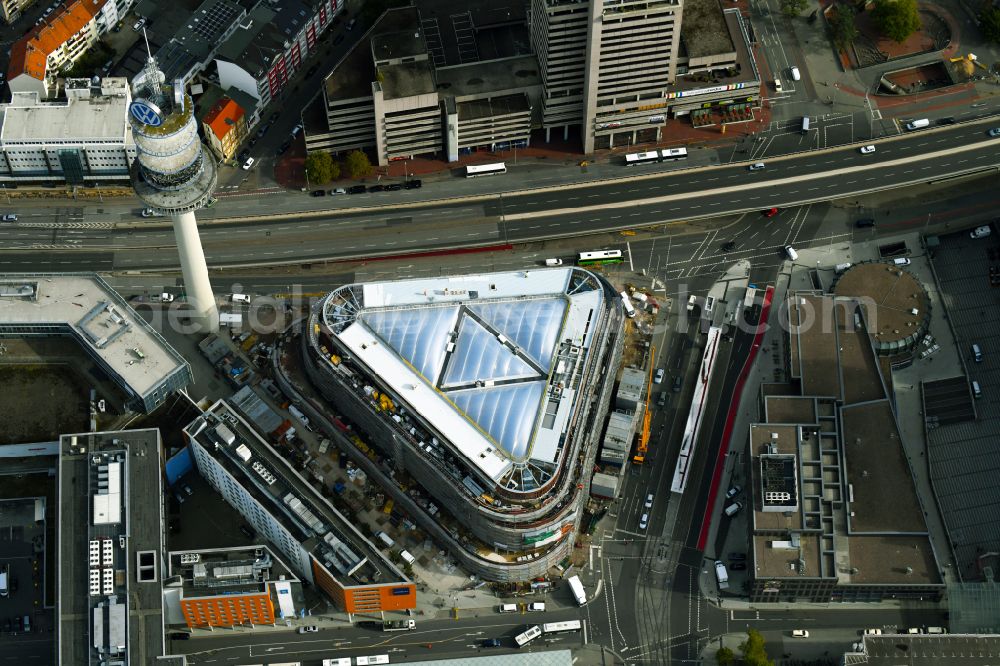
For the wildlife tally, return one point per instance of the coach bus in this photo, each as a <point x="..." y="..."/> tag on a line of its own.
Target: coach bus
<point x="650" y="157"/>
<point x="599" y="257"/>
<point x="670" y="154"/>
<point x="561" y="627"/>
<point x="531" y="634"/>
<point x="476" y="170"/>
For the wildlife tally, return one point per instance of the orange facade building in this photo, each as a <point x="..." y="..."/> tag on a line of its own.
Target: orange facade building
<point x="227" y="610"/>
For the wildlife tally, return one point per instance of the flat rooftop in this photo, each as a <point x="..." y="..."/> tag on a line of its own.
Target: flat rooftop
<point x="880" y="559"/>
<point x="816" y="357"/>
<point x="322" y="530"/>
<point x="490" y="77"/>
<point x="100" y="117"/>
<point x="704" y="30"/>
<point x="407" y="79"/>
<point x="478" y="357"/>
<point x="352" y="77"/>
<point x="98" y="318"/>
<point x="221" y="571"/>
<point x="890" y="293"/>
<point x="110" y="542"/>
<point x="803" y="560"/>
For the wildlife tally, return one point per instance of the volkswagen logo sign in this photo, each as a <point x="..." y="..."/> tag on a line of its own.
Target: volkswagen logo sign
<point x="146" y="112"/>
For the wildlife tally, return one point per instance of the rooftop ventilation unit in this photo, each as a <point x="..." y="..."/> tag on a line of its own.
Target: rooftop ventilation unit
<point x="262" y="471"/>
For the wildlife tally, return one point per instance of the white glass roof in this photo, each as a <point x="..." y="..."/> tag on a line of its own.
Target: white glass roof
<point x="418" y="335"/>
<point x="532" y="325"/>
<point x="479" y="356"/>
<point x="507" y="413"/>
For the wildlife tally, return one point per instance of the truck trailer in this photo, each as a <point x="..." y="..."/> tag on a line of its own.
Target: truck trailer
<point x="721" y="575"/>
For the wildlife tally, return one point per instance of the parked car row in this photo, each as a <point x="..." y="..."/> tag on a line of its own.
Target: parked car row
<point x="414" y="184"/>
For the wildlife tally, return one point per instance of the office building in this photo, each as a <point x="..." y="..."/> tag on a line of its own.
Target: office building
<point x="83" y="139"/>
<point x="51" y="46"/>
<point x="193" y="46"/>
<point x="109" y="605"/>
<point x="228" y="587"/>
<point x="320" y="545"/>
<point x="85" y="308"/>
<point x="225" y="127"/>
<point x="835" y="514"/>
<point x="608" y="73"/>
<point x="485" y="389"/>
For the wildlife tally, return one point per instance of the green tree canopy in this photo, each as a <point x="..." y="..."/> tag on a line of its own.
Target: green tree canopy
<point x="321" y="168"/>
<point x="842" y="26"/>
<point x="896" y="19"/>
<point x="725" y="657"/>
<point x="793" y="8"/>
<point x="989" y="23"/>
<point x="357" y="164"/>
<point x="753" y="650"/>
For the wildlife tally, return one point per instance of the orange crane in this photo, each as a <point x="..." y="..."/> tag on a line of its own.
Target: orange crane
<point x="647" y="416"/>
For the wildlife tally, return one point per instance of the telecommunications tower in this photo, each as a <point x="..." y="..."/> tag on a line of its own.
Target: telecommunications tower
<point x="174" y="175"/>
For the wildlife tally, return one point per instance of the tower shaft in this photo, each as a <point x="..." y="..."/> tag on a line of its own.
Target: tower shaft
<point x="195" y="271"/>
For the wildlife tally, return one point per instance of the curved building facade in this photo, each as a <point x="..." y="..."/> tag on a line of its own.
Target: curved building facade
<point x="488" y="390"/>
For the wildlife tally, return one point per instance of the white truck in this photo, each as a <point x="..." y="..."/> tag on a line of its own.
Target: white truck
<point x="399" y="625"/>
<point x="577" y="588"/>
<point x="297" y="413"/>
<point x="721" y="575"/>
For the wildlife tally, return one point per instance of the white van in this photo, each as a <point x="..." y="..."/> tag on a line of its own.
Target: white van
<point x="241" y="298"/>
<point x="805" y="125"/>
<point x="733" y="509"/>
<point x="507" y="608"/>
<point x="386" y="539"/>
<point x="977" y="354"/>
<point x="553" y="262"/>
<point x="800" y="633"/>
<point x="936" y="630"/>
<point x="901" y="261"/>
<point x="840" y="268"/>
<point x="976" y="391"/>
<point x="796" y="76"/>
<point x="409" y="559"/>
<point x="791" y="253"/>
<point x="917" y="124"/>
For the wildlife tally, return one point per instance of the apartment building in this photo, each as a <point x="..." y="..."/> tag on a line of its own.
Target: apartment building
<point x="320" y="545"/>
<point x="485" y="389"/>
<point x="10" y="10"/>
<point x="270" y="44"/>
<point x="83" y="139"/>
<point x="225" y="126"/>
<point x="57" y="42"/>
<point x="559" y="36"/>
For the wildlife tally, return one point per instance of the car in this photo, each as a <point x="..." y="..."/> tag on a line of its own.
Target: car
<point x="733" y="492"/>
<point x="537" y="607"/>
<point x="737" y="557"/>
<point x="350" y="24"/>
<point x="901" y="261"/>
<point x="914" y="630"/>
<point x="139" y="24"/>
<point x="283" y="148"/>
<point x="872" y="632"/>
<point x="507" y="608"/>
<point x="242" y="157"/>
<point x="661" y="399"/>
<point x="867" y="150"/>
<point x="296" y="130"/>
<point x="247" y="532"/>
<point x="729" y="246"/>
<point x="644" y="521"/>
<point x="311" y="629"/>
<point x="770" y="212"/>
<point x="318" y="193"/>
<point x="179" y="636"/>
<point x="796" y="76"/>
<point x="678" y="382"/>
<point x="738" y="566"/>
<point x="102" y="405"/>
<point x="995" y="131"/>
<point x="658" y="377"/>
<point x="864" y="223"/>
<point x="179" y="497"/>
<point x="248" y="164"/>
<point x="756" y="166"/>
<point x="980" y="232"/>
<point x="356" y="189"/>
<point x="376" y="188"/>
<point x="800" y="633"/>
<point x="649" y="501"/>
<point x="312" y="70"/>
<point x="150" y="212"/>
<point x="414" y="184"/>
<point x="393" y="187"/>
<point x="339" y="190"/>
<point x="187" y="489"/>
<point x="10" y="217"/>
<point x="946" y="121"/>
<point x="491" y="642"/>
<point x="261" y="132"/>
<point x="338" y="39"/>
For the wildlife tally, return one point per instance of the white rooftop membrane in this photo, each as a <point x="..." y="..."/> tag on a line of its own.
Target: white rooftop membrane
<point x="532" y="325"/>
<point x="506" y="412"/>
<point x="419" y="335"/>
<point x="479" y="355"/>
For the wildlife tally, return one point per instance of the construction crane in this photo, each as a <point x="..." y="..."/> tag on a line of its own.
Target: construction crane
<point x="647" y="416"/>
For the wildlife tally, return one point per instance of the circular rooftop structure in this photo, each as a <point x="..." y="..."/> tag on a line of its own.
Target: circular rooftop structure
<point x="896" y="305"/>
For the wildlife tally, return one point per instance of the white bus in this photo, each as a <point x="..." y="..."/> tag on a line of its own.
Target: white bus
<point x="561" y="627"/>
<point x="670" y="154"/>
<point x="476" y="170"/>
<point x="531" y="634"/>
<point x="337" y="661"/>
<point x="599" y="257"/>
<point x="372" y="660"/>
<point x="642" y="158"/>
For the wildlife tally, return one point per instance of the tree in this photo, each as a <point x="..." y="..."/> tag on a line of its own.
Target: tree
<point x="753" y="650"/>
<point x="896" y="19"/>
<point x="989" y="23"/>
<point x="321" y="168"/>
<point x="792" y="8"/>
<point x="842" y="26"/>
<point x="357" y="164"/>
<point x="725" y="657"/>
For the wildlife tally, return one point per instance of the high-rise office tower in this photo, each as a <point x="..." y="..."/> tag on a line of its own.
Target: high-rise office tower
<point x="606" y="65"/>
<point x="174" y="175"/>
